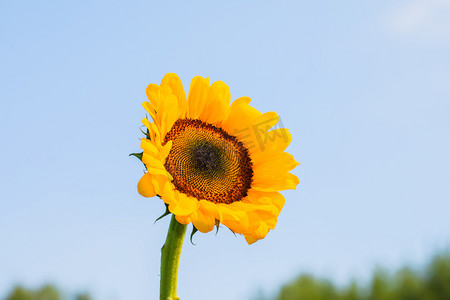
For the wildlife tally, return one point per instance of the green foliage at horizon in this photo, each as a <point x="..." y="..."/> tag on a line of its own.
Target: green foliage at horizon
<point x="430" y="283"/>
<point x="46" y="292"/>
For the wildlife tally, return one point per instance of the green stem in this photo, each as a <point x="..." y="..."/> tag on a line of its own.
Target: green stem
<point x="170" y="258"/>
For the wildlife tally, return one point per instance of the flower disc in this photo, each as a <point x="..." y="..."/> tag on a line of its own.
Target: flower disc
<point x="207" y="163"/>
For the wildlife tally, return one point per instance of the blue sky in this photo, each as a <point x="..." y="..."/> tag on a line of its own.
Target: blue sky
<point x="363" y="87"/>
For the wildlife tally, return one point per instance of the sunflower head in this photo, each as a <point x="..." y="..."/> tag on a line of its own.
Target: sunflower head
<point x="212" y="162"/>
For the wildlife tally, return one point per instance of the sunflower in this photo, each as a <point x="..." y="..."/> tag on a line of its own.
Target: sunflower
<point x="212" y="162"/>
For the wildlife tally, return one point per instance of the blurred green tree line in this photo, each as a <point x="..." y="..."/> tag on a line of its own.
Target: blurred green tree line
<point x="46" y="292"/>
<point x="430" y="283"/>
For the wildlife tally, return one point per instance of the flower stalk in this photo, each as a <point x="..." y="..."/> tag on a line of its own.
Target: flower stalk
<point x="170" y="259"/>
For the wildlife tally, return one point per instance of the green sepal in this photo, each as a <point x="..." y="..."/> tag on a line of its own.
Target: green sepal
<point x="138" y="155"/>
<point x="232" y="232"/>
<point x="147" y="134"/>
<point x="167" y="212"/>
<point x="194" y="230"/>
<point x="217" y="224"/>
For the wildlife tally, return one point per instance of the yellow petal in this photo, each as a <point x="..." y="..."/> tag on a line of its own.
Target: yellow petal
<point x="172" y="82"/>
<point x="152" y="111"/>
<point x="239" y="116"/>
<point x="218" y="101"/>
<point x="198" y="92"/>
<point x="151" y="162"/>
<point x="153" y="133"/>
<point x="163" y="107"/>
<point x="258" y="234"/>
<point x="272" y="182"/>
<point x="146" y="187"/>
<point x="165" y="150"/>
<point x="153" y="92"/>
<point x="203" y="221"/>
<point x="280" y="162"/>
<point x="250" y="239"/>
<point x="147" y="145"/>
<point x="263" y="198"/>
<point x="271" y="223"/>
<point x="234" y="218"/>
<point x="159" y="182"/>
<point x="183" y="219"/>
<point x="181" y="204"/>
<point x="146" y="122"/>
<point x="210" y="208"/>
<point x="258" y="212"/>
<point x="257" y="136"/>
<point x="168" y="194"/>
<point x="169" y="111"/>
<point x="155" y="171"/>
<point x="275" y="141"/>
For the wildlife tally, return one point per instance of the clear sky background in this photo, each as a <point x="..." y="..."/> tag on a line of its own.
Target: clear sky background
<point x="363" y="86"/>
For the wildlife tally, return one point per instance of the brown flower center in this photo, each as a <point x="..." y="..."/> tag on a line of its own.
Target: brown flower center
<point x="208" y="163"/>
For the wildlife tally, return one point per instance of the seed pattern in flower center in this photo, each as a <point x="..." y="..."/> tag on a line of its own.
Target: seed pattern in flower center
<point x="208" y="163"/>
